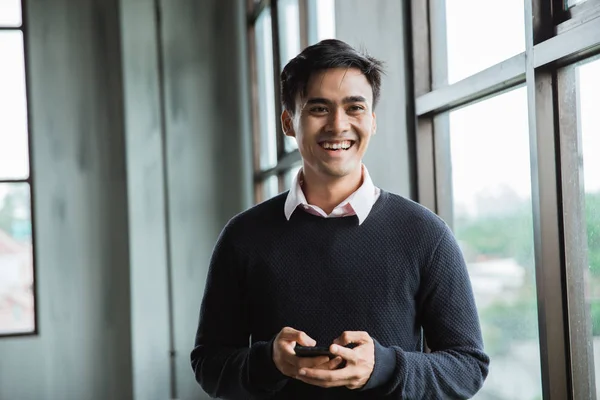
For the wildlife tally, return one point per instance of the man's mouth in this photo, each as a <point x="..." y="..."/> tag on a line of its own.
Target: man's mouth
<point x="339" y="145"/>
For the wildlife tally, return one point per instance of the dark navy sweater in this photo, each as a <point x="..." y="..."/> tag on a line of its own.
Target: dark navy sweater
<point x="394" y="276"/>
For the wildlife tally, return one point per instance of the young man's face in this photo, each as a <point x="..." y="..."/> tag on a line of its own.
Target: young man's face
<point x="333" y="123"/>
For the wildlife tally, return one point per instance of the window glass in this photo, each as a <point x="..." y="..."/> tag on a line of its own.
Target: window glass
<point x="493" y="222"/>
<point x="270" y="187"/>
<point x="321" y="15"/>
<point x="14" y="153"/>
<point x="289" y="43"/>
<point x="16" y="261"/>
<point x="589" y="125"/>
<point x="290" y="175"/>
<point x="289" y="29"/>
<point x="266" y="91"/>
<point x="571" y="3"/>
<point x="481" y="34"/>
<point x="10" y="13"/>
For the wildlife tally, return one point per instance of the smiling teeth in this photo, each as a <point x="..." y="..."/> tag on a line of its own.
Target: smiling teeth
<point x="345" y="145"/>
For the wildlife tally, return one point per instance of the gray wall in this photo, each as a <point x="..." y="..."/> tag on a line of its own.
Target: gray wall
<point x="127" y="195"/>
<point x="146" y="192"/>
<point x="83" y="350"/>
<point x="207" y="131"/>
<point x="378" y="27"/>
<point x="125" y="198"/>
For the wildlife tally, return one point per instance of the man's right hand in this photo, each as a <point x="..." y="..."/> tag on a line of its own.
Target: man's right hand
<point x="285" y="358"/>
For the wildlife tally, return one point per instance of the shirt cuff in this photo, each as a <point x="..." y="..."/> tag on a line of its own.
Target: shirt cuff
<point x="385" y="364"/>
<point x="262" y="370"/>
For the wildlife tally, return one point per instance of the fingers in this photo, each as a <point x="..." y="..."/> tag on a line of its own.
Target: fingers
<point x="292" y="335"/>
<point x="284" y="356"/>
<point x="343" y="352"/>
<point x="327" y="378"/>
<point x="329" y="365"/>
<point x="309" y="362"/>
<point x="353" y="337"/>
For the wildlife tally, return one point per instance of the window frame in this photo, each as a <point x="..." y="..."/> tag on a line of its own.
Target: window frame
<point x="30" y="179"/>
<point x="555" y="40"/>
<point x="286" y="160"/>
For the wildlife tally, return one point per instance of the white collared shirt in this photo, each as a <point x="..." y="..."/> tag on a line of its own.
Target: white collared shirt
<point x="358" y="203"/>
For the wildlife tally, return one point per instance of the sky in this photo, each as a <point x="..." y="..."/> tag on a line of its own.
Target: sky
<point x="489" y="139"/>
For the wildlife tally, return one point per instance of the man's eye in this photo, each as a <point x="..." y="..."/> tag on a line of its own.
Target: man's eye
<point x="318" y="109"/>
<point x="356" y="108"/>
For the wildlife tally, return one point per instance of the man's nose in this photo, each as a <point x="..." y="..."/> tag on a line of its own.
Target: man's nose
<point x="338" y="121"/>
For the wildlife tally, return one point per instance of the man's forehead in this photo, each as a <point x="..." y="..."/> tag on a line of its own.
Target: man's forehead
<point x="338" y="82"/>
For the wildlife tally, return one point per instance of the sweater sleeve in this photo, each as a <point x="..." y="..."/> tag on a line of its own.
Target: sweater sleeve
<point x="224" y="363"/>
<point x="457" y="366"/>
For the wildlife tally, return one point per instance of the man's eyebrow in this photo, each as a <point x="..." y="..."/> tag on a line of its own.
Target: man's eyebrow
<point x="345" y="100"/>
<point x="317" y="100"/>
<point x="354" y="99"/>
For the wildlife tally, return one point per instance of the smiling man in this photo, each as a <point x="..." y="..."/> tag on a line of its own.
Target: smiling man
<point x="339" y="263"/>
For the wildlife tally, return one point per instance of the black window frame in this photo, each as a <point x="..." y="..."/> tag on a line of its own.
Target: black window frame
<point x="556" y="39"/>
<point x="23" y="28"/>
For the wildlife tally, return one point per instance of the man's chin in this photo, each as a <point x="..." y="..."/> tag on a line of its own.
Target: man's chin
<point x="338" y="172"/>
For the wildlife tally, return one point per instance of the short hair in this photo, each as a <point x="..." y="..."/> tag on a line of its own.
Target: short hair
<point x="327" y="54"/>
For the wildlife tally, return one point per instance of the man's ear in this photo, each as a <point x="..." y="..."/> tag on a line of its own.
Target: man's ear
<point x="374" y="125"/>
<point x="287" y="124"/>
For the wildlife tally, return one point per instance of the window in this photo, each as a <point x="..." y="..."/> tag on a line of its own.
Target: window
<point x="506" y="137"/>
<point x="17" y="305"/>
<point x="289" y="43"/>
<point x="321" y="20"/>
<point x="290" y="175"/>
<point x="266" y="91"/>
<point x="588" y="88"/>
<point x="571" y="3"/>
<point x="297" y="24"/>
<point x="480" y="40"/>
<point x="10" y="13"/>
<point x="493" y="224"/>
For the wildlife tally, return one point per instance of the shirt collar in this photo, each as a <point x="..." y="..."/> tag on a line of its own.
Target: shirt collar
<point x="361" y="200"/>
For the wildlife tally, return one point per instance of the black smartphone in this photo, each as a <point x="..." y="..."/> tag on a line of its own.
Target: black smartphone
<point x="306" y="351"/>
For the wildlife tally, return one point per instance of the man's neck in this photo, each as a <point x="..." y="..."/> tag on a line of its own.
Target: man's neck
<point x="328" y="192"/>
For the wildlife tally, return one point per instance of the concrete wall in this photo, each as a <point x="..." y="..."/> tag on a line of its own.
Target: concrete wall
<point x="150" y="327"/>
<point x="378" y="27"/>
<point x="136" y="175"/>
<point x="127" y="196"/>
<point x="209" y="169"/>
<point x="83" y="350"/>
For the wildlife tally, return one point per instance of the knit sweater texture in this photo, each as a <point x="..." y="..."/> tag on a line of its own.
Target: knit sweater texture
<point x="399" y="276"/>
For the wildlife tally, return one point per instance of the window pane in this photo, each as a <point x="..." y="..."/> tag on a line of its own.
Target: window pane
<point x="289" y="43"/>
<point x="493" y="222"/>
<point x="266" y="91"/>
<point x="290" y="175"/>
<point x="589" y="123"/>
<point x="289" y="29"/>
<point x="270" y="187"/>
<point x="321" y="15"/>
<point x="14" y="156"/>
<point x="481" y="34"/>
<point x="10" y="13"/>
<point x="16" y="265"/>
<point x="571" y="3"/>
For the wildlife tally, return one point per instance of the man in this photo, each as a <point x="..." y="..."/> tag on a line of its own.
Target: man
<point x="337" y="261"/>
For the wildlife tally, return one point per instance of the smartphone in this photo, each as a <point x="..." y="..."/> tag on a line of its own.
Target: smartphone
<point x="305" y="351"/>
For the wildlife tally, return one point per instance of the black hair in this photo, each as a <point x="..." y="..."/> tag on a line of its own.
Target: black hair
<point x="327" y="54"/>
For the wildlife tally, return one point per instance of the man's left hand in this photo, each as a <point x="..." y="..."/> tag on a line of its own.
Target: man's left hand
<point x="359" y="363"/>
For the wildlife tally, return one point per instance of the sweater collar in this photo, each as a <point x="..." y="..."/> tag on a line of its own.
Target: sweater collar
<point x="360" y="202"/>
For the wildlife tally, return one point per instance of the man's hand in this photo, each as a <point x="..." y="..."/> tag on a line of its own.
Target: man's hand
<point x="359" y="363"/>
<point x="285" y="358"/>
